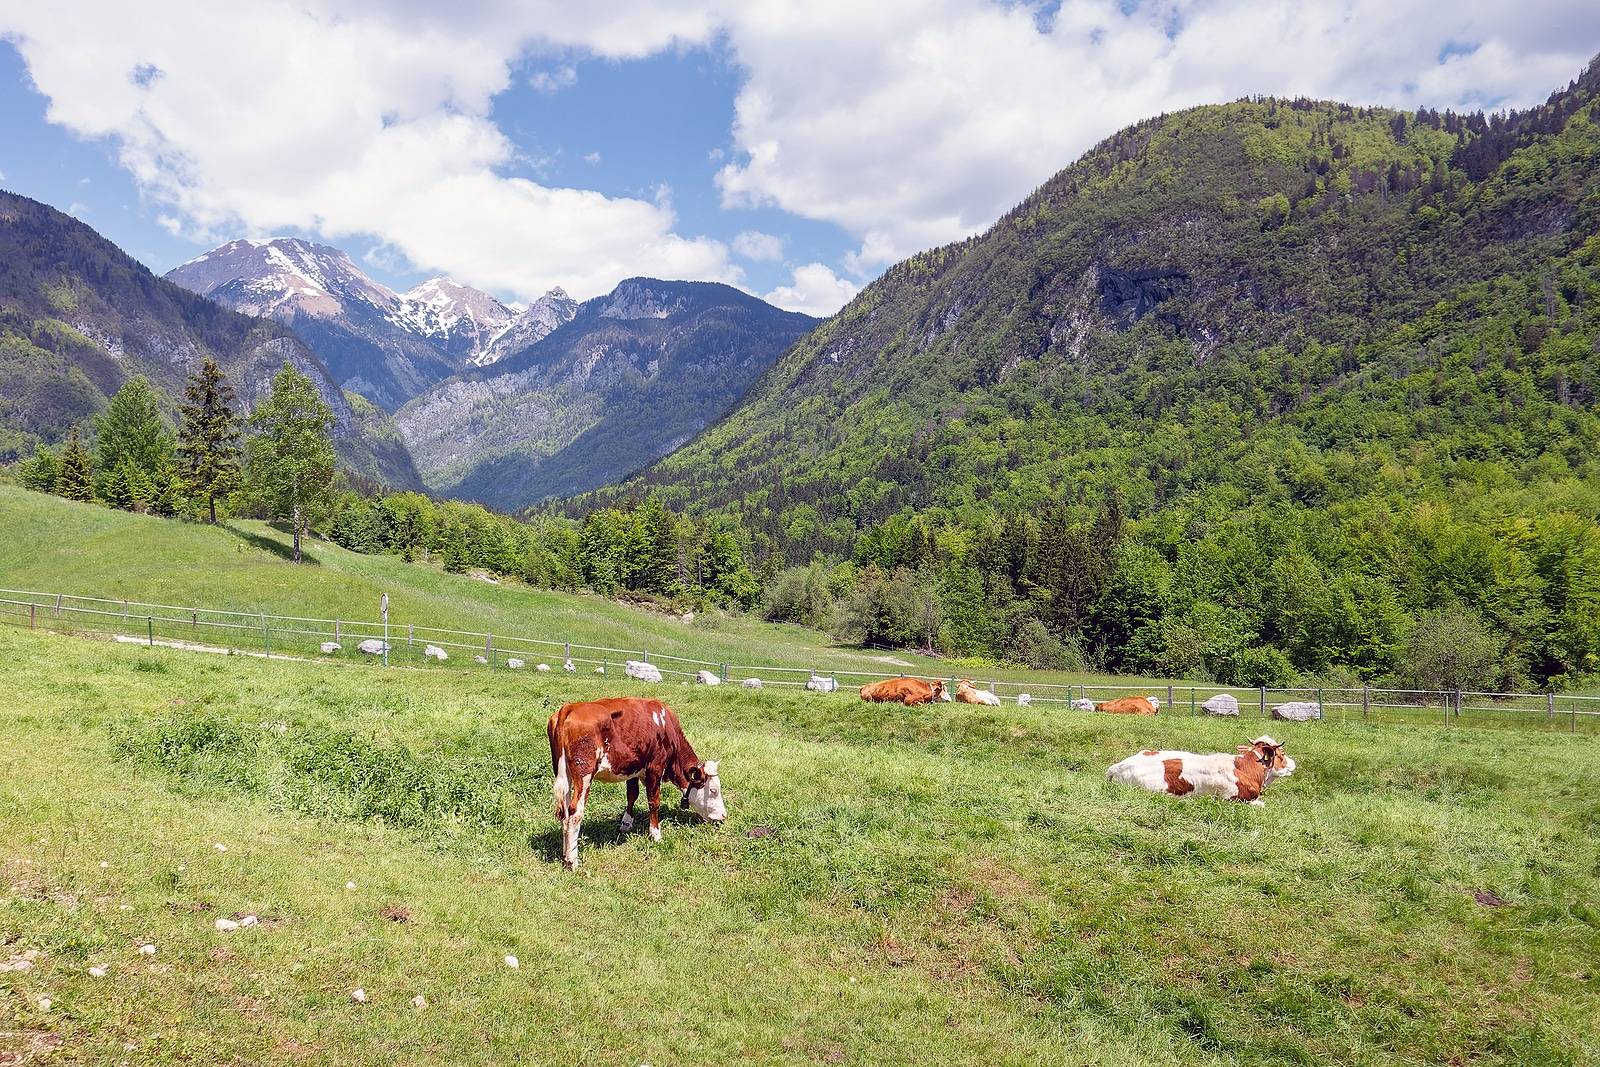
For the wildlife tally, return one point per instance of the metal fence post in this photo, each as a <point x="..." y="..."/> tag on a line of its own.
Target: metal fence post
<point x="150" y="631"/>
<point x="33" y="616"/>
<point x="58" y="605"/>
<point x="336" y="630"/>
<point x="194" y="622"/>
<point x="1263" y="702"/>
<point x="266" y="634"/>
<point x="1550" y="707"/>
<point x="411" y="633"/>
<point x="1572" y="706"/>
<point x="1366" y="700"/>
<point x="724" y="667"/>
<point x="1191" y="701"/>
<point x="488" y="648"/>
<point x="1319" y="702"/>
<point x="1169" y="698"/>
<point x="1458" y="703"/>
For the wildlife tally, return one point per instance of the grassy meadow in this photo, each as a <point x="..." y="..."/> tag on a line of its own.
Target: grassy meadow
<point x="947" y="884"/>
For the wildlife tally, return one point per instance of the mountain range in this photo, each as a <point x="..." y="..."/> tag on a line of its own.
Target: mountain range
<point x="385" y="346"/>
<point x="78" y="317"/>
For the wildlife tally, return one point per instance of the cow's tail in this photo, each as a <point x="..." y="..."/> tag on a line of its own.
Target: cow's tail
<point x="558" y="762"/>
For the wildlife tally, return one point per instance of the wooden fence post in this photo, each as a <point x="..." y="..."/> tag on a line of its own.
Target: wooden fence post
<point x="1572" y="705"/>
<point x="1550" y="707"/>
<point x="58" y="605"/>
<point x="1191" y="702"/>
<point x="1263" y="702"/>
<point x="411" y="633"/>
<point x="1169" y="698"/>
<point x="1366" y="700"/>
<point x="150" y="631"/>
<point x="33" y="616"/>
<point x="336" y="631"/>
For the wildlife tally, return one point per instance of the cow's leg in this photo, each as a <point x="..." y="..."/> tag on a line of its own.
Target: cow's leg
<point x="626" y="822"/>
<point x="652" y="794"/>
<point x="574" y="822"/>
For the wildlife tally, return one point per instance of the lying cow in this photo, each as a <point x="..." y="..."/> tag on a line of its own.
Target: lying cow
<point x="907" y="691"/>
<point x="1129" y="706"/>
<point x="967" y="693"/>
<point x="626" y="739"/>
<point x="1237" y="777"/>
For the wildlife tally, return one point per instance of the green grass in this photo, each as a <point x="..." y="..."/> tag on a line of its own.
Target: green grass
<point x="945" y="884"/>
<point x="53" y="545"/>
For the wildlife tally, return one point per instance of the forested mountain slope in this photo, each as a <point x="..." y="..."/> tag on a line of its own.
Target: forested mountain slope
<point x="630" y="377"/>
<point x="1310" y="351"/>
<point x="78" y="317"/>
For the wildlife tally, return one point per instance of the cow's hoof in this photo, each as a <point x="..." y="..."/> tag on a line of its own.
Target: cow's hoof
<point x="570" y="865"/>
<point x="655" y="833"/>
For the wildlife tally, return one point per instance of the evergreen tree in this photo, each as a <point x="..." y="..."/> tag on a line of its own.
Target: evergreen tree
<point x="76" y="478"/>
<point x="130" y="431"/>
<point x="40" y="471"/>
<point x="291" y="463"/>
<point x="208" y="440"/>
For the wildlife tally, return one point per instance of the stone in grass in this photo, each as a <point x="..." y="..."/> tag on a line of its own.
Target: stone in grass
<point x="480" y="659"/>
<point x="97" y="972"/>
<point x="542" y="667"/>
<point x="419" y="1001"/>
<point x="373" y="647"/>
<point x="330" y="647"/>
<point x="513" y="962"/>
<point x="358" y="995"/>
<point x="707" y="678"/>
<point x="226" y="925"/>
<point x="1297" y="711"/>
<point x="514" y="664"/>
<point x="751" y="683"/>
<point x="435" y="652"/>
<point x="147" y="949"/>
<point x="1225" y="704"/>
<point x="1024" y="699"/>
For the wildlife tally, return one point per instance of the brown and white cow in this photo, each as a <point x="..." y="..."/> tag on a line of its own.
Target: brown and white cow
<point x="1129" y="706"/>
<point x="907" y="691"/>
<point x="967" y="693"/>
<point x="1237" y="777"/>
<point x="626" y="739"/>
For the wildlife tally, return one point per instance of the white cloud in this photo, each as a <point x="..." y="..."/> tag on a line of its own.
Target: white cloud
<point x="358" y="117"/>
<point x="914" y="122"/>
<point x="815" y="290"/>
<point x="553" y="81"/>
<point x="77" y="210"/>
<point x="592" y="157"/>
<point x="758" y="247"/>
<point x="905" y="122"/>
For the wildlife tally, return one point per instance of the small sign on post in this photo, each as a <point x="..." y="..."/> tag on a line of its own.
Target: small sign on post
<point x="383" y="604"/>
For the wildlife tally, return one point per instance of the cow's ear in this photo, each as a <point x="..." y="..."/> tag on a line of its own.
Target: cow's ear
<point x="711" y="768"/>
<point x="697" y="777"/>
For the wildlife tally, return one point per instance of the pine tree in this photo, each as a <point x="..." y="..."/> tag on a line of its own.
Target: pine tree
<point x="291" y="465"/>
<point x="208" y="440"/>
<point x="131" y="432"/>
<point x="40" y="471"/>
<point x="76" y="478"/>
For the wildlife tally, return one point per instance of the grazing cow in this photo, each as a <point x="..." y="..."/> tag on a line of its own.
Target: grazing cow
<point x="626" y="739"/>
<point x="907" y="691"/>
<point x="967" y="693"/>
<point x="1237" y="777"/>
<point x="1130" y="706"/>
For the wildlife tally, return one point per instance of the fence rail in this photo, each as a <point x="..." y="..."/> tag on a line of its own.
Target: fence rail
<point x="262" y="633"/>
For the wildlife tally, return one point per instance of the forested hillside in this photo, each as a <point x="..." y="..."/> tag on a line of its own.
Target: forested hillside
<point x="1254" y="389"/>
<point x="79" y="317"/>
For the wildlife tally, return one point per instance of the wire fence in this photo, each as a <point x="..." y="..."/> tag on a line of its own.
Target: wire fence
<point x="410" y="644"/>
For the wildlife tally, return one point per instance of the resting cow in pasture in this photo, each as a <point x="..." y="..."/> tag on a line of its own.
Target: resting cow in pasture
<point x="626" y="739"/>
<point x="1130" y="706"/>
<point x="1237" y="777"/>
<point x="907" y="691"/>
<point x="967" y="693"/>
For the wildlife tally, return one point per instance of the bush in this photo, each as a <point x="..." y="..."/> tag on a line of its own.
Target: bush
<point x="800" y="595"/>
<point x="1034" y="645"/>
<point x="1453" y="649"/>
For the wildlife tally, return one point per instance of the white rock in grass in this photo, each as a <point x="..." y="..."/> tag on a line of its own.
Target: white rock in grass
<point x="97" y="972"/>
<point x="644" y="672"/>
<point x="707" y="678"/>
<point x="569" y="667"/>
<point x="513" y="962"/>
<point x="104" y="865"/>
<point x="349" y="885"/>
<point x="358" y="995"/>
<point x="542" y="667"/>
<point x="220" y="847"/>
<point x="373" y="647"/>
<point x="600" y="669"/>
<point x="435" y="652"/>
<point x="45" y="1003"/>
<point x="751" y="683"/>
<point x="1083" y="704"/>
<point x="330" y="647"/>
<point x="147" y="949"/>
<point x="819" y="684"/>
<point x="1224" y="704"/>
<point x="514" y="664"/>
<point x="1024" y="699"/>
<point x="419" y="1001"/>
<point x="480" y="659"/>
<point x="225" y="925"/>
<point x="248" y="920"/>
<point x="1297" y="711"/>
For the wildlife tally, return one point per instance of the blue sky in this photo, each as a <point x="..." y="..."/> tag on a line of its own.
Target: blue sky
<point x="795" y="150"/>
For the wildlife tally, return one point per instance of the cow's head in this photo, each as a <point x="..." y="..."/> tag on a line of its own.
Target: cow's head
<point x="938" y="691"/>
<point x="1271" y="755"/>
<point x="1155" y="702"/>
<point x="704" y="795"/>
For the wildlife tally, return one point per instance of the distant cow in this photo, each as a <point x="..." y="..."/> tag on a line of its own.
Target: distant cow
<point x="967" y="693"/>
<point x="907" y="691"/>
<point x="1130" y="706"/>
<point x="1238" y="777"/>
<point x="626" y="739"/>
